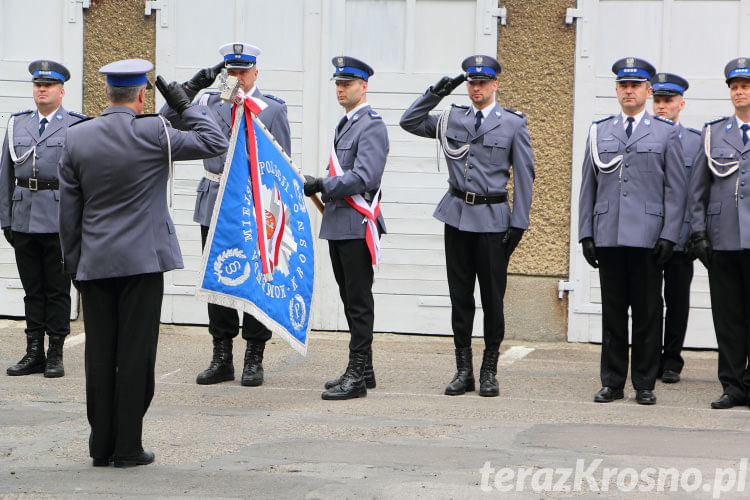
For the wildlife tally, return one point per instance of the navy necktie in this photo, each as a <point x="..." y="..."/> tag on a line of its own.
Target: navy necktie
<point x="629" y="128"/>
<point x="42" y="126"/>
<point x="341" y="124"/>
<point x="478" y="123"/>
<point x="744" y="128"/>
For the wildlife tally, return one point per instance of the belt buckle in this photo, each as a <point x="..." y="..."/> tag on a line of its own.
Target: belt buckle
<point x="33" y="184"/>
<point x="470" y="201"/>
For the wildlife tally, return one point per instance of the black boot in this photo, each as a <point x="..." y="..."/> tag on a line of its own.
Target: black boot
<point x="487" y="381"/>
<point x="54" y="367"/>
<point x="352" y="383"/>
<point x="369" y="375"/>
<point x="463" y="380"/>
<point x="252" y="374"/>
<point x="221" y="367"/>
<point x="34" y="360"/>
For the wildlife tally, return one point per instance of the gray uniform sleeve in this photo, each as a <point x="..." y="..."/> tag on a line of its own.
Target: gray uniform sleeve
<point x="700" y="184"/>
<point x="523" y="177"/>
<point x="203" y="140"/>
<point x="369" y="164"/>
<point x="71" y="212"/>
<point x="675" y="179"/>
<point x="417" y="119"/>
<point x="7" y="177"/>
<point x="587" y="196"/>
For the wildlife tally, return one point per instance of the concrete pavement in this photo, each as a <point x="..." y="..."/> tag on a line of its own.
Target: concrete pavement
<point x="405" y="440"/>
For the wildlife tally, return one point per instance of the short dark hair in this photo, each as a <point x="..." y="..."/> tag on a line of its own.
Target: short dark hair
<point x="123" y="94"/>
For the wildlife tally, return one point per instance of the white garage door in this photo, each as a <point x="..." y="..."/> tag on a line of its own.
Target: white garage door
<point x="63" y="42"/>
<point x="402" y="40"/>
<point x="693" y="38"/>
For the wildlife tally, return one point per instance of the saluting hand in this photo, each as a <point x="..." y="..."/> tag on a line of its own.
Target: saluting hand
<point x="174" y="94"/>
<point x="446" y="85"/>
<point x="205" y="77"/>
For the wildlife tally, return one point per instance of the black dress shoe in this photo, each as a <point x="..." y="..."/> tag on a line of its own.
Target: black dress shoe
<point x="145" y="458"/>
<point x="608" y="394"/>
<point x="645" y="397"/>
<point x="102" y="462"/>
<point x="670" y="377"/>
<point x="725" y="402"/>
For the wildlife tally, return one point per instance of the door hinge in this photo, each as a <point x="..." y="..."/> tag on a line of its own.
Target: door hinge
<point x="564" y="286"/>
<point x="73" y="8"/>
<point x="491" y="13"/>
<point x="162" y="5"/>
<point x="572" y="14"/>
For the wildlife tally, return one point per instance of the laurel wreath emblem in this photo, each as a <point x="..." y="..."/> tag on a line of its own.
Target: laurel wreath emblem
<point x="219" y="265"/>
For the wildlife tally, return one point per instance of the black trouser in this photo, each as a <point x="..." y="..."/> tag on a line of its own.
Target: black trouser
<point x="470" y="256"/>
<point x="224" y="322"/>
<point x="352" y="268"/>
<point x="629" y="277"/>
<point x="678" y="273"/>
<point x="729" y="281"/>
<point x="45" y="284"/>
<point x="121" y="318"/>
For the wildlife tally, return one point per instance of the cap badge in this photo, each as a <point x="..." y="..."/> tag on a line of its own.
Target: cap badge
<point x="237" y="48"/>
<point x="479" y="69"/>
<point x="340" y="61"/>
<point x="662" y="77"/>
<point x="741" y="62"/>
<point x="478" y="60"/>
<point x="630" y="62"/>
<point x="45" y="65"/>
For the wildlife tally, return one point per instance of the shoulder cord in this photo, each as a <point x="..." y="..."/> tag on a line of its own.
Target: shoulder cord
<point x="12" y="149"/>
<point x="598" y="164"/>
<point x="732" y="166"/>
<point x="169" y="159"/>
<point x="442" y="141"/>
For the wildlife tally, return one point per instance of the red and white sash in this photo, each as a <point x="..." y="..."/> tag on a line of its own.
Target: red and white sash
<point x="369" y="210"/>
<point x="253" y="106"/>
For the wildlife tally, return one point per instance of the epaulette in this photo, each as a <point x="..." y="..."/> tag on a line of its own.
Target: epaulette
<point x="274" y="98"/>
<point x="717" y="120"/>
<point x="374" y="114"/>
<point x="604" y="119"/>
<point x="144" y="115"/>
<point x="515" y="112"/>
<point x="460" y="106"/>
<point x="212" y="92"/>
<point x="694" y="130"/>
<point x="81" y="121"/>
<point x="23" y="112"/>
<point x="78" y="115"/>
<point x="665" y="120"/>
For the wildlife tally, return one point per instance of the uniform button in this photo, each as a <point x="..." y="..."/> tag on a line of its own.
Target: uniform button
<point x="742" y="183"/>
<point x="744" y="157"/>
<point x="469" y="179"/>
<point x="625" y="180"/>
<point x="472" y="166"/>
<point x="625" y="193"/>
<point x="471" y="154"/>
<point x="742" y="196"/>
<point x="627" y="150"/>
<point x="743" y="170"/>
<point x="474" y="141"/>
<point x="627" y="165"/>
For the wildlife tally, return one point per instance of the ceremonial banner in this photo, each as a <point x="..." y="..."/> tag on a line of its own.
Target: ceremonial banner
<point x="259" y="255"/>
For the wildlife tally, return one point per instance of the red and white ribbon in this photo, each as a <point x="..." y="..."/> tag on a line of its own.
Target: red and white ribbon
<point x="369" y="210"/>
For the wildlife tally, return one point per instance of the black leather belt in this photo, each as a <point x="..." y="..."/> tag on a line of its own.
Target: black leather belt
<point x="37" y="184"/>
<point x="479" y="199"/>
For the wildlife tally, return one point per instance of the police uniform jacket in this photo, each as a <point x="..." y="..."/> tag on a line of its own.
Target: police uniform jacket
<point x="641" y="201"/>
<point x="114" y="219"/>
<point x="501" y="141"/>
<point x="362" y="148"/>
<point x="274" y="117"/>
<point x="22" y="209"/>
<point x="691" y="141"/>
<point x="713" y="204"/>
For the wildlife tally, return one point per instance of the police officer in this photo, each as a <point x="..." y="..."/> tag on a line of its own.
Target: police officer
<point x="352" y="189"/>
<point x="720" y="221"/>
<point x="118" y="239"/>
<point x="240" y="60"/>
<point x="631" y="210"/>
<point x="481" y="143"/>
<point x="668" y="102"/>
<point x="29" y="195"/>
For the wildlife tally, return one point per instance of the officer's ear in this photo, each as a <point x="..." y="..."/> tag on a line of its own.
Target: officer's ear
<point x="142" y="95"/>
<point x="364" y="86"/>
